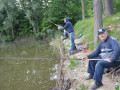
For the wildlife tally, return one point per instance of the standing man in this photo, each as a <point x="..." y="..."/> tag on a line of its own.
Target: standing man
<point x="68" y="26"/>
<point x="108" y="50"/>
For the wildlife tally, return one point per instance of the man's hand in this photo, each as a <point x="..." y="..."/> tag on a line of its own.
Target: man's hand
<point x="108" y="59"/>
<point x="84" y="58"/>
<point x="59" y="27"/>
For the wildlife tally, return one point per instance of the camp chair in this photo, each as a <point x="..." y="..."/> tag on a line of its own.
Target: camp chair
<point x="113" y="71"/>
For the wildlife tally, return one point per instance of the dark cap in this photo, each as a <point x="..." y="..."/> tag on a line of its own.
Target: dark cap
<point x="102" y="30"/>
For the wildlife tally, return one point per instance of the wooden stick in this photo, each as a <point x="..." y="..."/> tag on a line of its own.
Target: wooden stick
<point x="97" y="59"/>
<point x="87" y="59"/>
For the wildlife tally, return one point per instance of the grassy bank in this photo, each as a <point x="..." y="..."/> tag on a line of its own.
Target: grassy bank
<point x="86" y="27"/>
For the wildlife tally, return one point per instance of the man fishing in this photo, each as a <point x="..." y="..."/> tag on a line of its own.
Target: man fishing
<point x="68" y="26"/>
<point x="108" y="50"/>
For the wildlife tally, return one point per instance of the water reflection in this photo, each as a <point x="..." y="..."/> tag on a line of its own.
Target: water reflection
<point x="53" y="76"/>
<point x="33" y="74"/>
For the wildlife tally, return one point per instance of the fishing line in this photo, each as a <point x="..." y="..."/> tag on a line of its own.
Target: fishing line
<point x="29" y="58"/>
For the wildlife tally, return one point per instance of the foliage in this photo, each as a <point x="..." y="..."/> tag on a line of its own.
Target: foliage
<point x="31" y="17"/>
<point x="33" y="11"/>
<point x="64" y="8"/>
<point x="8" y="9"/>
<point x="89" y="8"/>
<point x="116" y="4"/>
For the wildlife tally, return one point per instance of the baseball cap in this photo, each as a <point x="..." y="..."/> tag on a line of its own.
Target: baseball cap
<point x="102" y="30"/>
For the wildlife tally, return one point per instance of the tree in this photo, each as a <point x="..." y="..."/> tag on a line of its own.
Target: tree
<point x="59" y="9"/>
<point x="83" y="10"/>
<point x="8" y="6"/>
<point x="116" y="5"/>
<point x="34" y="12"/>
<point x="97" y="7"/>
<point x="108" y="7"/>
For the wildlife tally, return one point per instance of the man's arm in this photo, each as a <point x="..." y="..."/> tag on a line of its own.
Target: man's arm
<point x="65" y="27"/>
<point x="116" y="49"/>
<point x="96" y="52"/>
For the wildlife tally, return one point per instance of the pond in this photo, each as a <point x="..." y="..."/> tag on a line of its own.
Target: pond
<point x="27" y="74"/>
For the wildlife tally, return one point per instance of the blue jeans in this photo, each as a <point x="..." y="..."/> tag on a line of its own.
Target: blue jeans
<point x="96" y="68"/>
<point x="72" y="34"/>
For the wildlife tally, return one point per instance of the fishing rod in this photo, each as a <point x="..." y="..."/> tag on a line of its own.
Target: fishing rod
<point x="53" y="23"/>
<point x="29" y="58"/>
<point x="88" y="59"/>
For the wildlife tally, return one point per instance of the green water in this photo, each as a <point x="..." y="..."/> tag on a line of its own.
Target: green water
<point x="32" y="74"/>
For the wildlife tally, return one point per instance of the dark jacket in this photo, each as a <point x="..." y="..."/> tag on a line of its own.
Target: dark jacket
<point x="68" y="26"/>
<point x="108" y="49"/>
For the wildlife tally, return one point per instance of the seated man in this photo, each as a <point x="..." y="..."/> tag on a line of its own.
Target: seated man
<point x="108" y="50"/>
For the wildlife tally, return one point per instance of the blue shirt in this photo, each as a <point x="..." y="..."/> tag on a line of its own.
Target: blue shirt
<point x="107" y="49"/>
<point x="68" y="26"/>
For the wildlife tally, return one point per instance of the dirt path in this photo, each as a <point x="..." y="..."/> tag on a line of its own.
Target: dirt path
<point x="79" y="73"/>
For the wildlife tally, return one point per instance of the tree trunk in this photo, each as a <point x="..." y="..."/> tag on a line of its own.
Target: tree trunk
<point x="97" y="6"/>
<point x="108" y="7"/>
<point x="11" y="22"/>
<point x="83" y="10"/>
<point x="12" y="30"/>
<point x="35" y="27"/>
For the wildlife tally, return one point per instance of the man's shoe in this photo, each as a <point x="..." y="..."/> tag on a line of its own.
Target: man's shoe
<point x="96" y="85"/>
<point x="89" y="77"/>
<point x="75" y="48"/>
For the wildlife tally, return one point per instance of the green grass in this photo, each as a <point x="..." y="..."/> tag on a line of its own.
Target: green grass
<point x="72" y="64"/>
<point x="77" y="61"/>
<point x="87" y="28"/>
<point x="82" y="87"/>
<point x="68" y="44"/>
<point x="74" y="57"/>
<point x="111" y="20"/>
<point x="84" y="27"/>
